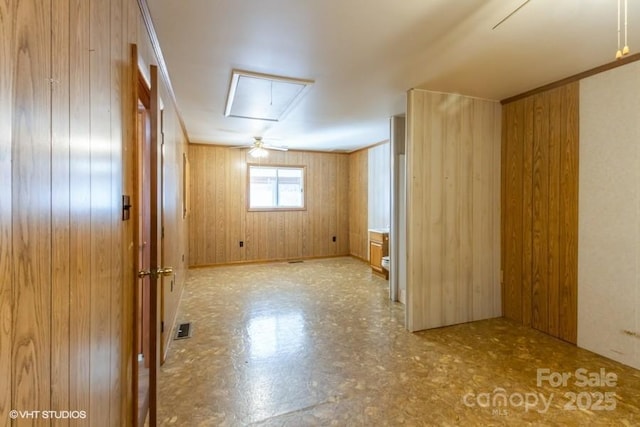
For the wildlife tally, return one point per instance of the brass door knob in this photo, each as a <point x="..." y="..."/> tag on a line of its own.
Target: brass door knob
<point x="166" y="271"/>
<point x="143" y="273"/>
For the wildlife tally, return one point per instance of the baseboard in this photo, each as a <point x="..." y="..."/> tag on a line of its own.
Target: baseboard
<point x="266" y="261"/>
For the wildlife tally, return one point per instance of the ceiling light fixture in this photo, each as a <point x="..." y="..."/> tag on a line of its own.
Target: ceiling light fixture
<point x="258" y="153"/>
<point x="625" y="50"/>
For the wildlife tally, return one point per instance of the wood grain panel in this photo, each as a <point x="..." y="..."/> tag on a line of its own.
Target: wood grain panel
<point x="220" y="219"/>
<point x="358" y="204"/>
<point x="119" y="57"/>
<point x="513" y="136"/>
<point x="100" y="241"/>
<point x="60" y="201"/>
<point x="494" y="274"/>
<point x="415" y="111"/>
<point x="485" y="225"/>
<point x="342" y="205"/>
<point x="555" y="135"/>
<point x="458" y="138"/>
<point x="470" y="115"/>
<point x="219" y="206"/>
<point x="506" y="110"/>
<point x="450" y="194"/>
<point x="235" y="226"/>
<point x="31" y="200"/>
<point x="527" y="210"/>
<point x="6" y="261"/>
<point x="66" y="128"/>
<point x="540" y="203"/>
<point x="548" y="212"/>
<point x="433" y="238"/>
<point x="80" y="208"/>
<point x="568" y="233"/>
<point x="128" y="249"/>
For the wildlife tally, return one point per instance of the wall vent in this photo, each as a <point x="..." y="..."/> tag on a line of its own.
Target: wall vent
<point x="184" y="331"/>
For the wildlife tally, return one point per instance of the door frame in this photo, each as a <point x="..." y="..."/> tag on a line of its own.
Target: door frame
<point x="147" y="93"/>
<point x="141" y="299"/>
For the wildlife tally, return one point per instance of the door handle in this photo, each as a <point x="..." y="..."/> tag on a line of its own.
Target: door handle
<point x="166" y="271"/>
<point x="144" y="273"/>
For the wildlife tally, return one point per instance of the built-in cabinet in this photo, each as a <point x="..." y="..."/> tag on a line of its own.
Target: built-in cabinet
<point x="378" y="248"/>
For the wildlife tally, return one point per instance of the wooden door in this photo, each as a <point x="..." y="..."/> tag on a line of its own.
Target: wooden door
<point x="142" y="362"/>
<point x="143" y="288"/>
<point x="147" y="294"/>
<point x="154" y="248"/>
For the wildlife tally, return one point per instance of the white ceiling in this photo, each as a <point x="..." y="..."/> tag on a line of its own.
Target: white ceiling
<point x="365" y="54"/>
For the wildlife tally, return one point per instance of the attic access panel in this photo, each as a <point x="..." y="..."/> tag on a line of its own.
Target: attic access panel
<point x="263" y="96"/>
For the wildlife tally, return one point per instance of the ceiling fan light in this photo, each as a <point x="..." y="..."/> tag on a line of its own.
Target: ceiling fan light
<point x="618" y="54"/>
<point x="258" y="153"/>
<point x="625" y="50"/>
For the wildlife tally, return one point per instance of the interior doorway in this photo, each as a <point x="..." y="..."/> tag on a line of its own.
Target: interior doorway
<point x="143" y="236"/>
<point x="148" y="238"/>
<point x="142" y="362"/>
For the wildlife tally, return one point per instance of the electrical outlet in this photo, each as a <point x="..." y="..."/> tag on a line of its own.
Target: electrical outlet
<point x="241" y="244"/>
<point x="334" y="238"/>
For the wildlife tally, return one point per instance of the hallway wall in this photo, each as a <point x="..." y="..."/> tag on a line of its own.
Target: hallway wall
<point x="453" y="214"/>
<point x="66" y="159"/>
<point x="359" y="204"/>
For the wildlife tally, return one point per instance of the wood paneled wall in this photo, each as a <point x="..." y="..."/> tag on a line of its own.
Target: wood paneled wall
<point x="540" y="211"/>
<point x="453" y="209"/>
<point x="359" y="204"/>
<point x="219" y="218"/>
<point x="6" y="235"/>
<point x="66" y="257"/>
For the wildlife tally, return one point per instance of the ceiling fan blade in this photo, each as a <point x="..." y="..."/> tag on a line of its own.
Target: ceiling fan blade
<point x="271" y="147"/>
<point x="511" y="14"/>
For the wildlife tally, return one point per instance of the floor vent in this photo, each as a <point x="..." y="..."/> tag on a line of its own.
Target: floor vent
<point x="184" y="331"/>
<point x="295" y="261"/>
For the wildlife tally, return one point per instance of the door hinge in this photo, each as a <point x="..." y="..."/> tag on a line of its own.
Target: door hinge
<point x="162" y="232"/>
<point x="162" y="326"/>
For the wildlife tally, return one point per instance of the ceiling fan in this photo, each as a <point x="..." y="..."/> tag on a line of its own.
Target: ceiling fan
<point x="259" y="149"/>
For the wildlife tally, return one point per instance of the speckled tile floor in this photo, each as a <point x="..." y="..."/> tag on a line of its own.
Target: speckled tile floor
<point x="318" y="343"/>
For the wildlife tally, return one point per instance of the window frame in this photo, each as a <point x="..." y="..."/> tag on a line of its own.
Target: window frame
<point x="277" y="208"/>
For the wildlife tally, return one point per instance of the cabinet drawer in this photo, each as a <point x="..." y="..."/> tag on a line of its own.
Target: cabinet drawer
<point x="374" y="236"/>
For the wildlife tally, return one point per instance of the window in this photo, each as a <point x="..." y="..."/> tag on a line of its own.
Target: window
<point x="276" y="187"/>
